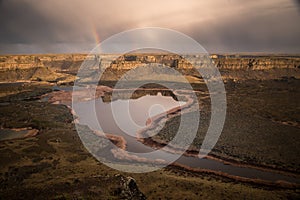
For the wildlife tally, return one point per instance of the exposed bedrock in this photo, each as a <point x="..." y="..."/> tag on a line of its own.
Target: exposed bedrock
<point x="63" y="68"/>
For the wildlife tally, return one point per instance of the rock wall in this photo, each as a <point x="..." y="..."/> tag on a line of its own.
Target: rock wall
<point x="65" y="66"/>
<point x="258" y="63"/>
<point x="50" y="68"/>
<point x="230" y="66"/>
<point x="232" y="62"/>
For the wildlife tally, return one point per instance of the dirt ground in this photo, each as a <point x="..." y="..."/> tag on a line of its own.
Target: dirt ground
<point x="261" y="127"/>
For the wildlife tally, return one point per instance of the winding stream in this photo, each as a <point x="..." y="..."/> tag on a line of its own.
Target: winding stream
<point x="128" y="123"/>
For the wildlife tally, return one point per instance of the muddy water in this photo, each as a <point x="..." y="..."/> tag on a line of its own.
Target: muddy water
<point x="126" y="117"/>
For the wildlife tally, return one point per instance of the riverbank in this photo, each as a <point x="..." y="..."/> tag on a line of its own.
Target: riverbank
<point x="62" y="96"/>
<point x="55" y="163"/>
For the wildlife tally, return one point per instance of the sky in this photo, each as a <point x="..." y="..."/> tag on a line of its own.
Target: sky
<point x="220" y="26"/>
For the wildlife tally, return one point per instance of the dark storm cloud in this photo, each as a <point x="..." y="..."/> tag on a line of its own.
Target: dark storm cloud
<point x="70" y="25"/>
<point x="22" y="22"/>
<point x="262" y="31"/>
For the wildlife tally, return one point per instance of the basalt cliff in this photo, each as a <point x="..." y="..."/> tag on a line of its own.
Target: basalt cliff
<point x="62" y="68"/>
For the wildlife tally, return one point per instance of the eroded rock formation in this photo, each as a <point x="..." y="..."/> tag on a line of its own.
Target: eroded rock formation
<point x="63" y="67"/>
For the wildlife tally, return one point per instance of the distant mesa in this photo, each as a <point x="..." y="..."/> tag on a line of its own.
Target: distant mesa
<point x="62" y="68"/>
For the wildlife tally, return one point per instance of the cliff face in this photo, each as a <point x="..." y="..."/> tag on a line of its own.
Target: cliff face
<point x="230" y="66"/>
<point x="63" y="68"/>
<point x="51" y="68"/>
<point x="258" y="67"/>
<point x="258" y="63"/>
<point x="221" y="61"/>
<point x="55" y="62"/>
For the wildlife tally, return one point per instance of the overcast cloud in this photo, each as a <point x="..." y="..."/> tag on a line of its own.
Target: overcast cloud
<point x="53" y="26"/>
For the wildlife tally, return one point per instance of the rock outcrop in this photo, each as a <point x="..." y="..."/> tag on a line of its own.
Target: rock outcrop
<point x="230" y="66"/>
<point x="50" y="68"/>
<point x="63" y="68"/>
<point x="128" y="189"/>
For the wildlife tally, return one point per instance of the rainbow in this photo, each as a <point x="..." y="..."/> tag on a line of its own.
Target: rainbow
<point x="95" y="34"/>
